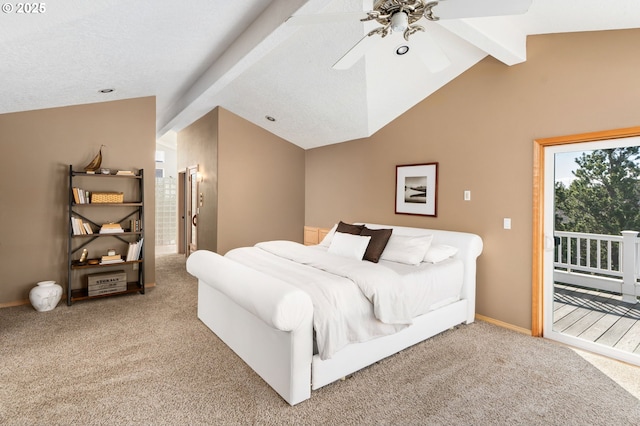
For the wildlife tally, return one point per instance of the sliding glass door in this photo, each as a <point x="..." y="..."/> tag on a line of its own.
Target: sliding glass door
<point x="589" y="300"/>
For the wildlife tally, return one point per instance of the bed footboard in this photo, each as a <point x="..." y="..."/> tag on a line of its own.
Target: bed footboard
<point x="266" y="322"/>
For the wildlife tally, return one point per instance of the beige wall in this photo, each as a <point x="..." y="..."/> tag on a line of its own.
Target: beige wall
<point x="260" y="187"/>
<point x="480" y="129"/>
<point x="37" y="149"/>
<point x="198" y="146"/>
<point x="259" y="179"/>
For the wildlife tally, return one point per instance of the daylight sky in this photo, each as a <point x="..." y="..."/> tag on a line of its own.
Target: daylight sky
<point x="565" y="165"/>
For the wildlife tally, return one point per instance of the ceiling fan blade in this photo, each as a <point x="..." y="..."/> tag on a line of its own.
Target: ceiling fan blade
<point x="431" y="54"/>
<point x="355" y="53"/>
<point x="325" y="18"/>
<point x="458" y="9"/>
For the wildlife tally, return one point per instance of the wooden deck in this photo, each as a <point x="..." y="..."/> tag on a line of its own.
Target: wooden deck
<point x="597" y="316"/>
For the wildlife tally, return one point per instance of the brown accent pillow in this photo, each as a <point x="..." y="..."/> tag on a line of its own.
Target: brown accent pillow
<point x="379" y="240"/>
<point x="349" y="229"/>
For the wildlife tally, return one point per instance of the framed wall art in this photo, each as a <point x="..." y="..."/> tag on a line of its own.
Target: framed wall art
<point x="417" y="189"/>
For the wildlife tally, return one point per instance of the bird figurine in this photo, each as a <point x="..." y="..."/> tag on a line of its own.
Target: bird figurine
<point x="95" y="163"/>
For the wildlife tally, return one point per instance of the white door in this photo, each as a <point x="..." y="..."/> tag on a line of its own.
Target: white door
<point x="551" y="155"/>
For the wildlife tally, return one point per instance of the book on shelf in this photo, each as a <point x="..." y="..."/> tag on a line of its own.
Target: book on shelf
<point x="111" y="257"/>
<point x="87" y="228"/>
<point x="135" y="225"/>
<point x="135" y="250"/>
<point x="111" y="225"/>
<point x="125" y="173"/>
<point x="111" y="231"/>
<point x="79" y="227"/>
<point x="80" y="196"/>
<point x="110" y="262"/>
<point x="111" y="228"/>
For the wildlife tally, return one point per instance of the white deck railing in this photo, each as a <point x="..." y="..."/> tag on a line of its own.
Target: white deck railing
<point x="605" y="262"/>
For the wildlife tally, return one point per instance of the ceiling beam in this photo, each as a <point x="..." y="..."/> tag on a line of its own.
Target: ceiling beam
<point x="260" y="37"/>
<point x="496" y="36"/>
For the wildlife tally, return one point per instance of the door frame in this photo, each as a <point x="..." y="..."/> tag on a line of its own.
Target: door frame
<point x="191" y="203"/>
<point x="537" y="273"/>
<point x="182" y="211"/>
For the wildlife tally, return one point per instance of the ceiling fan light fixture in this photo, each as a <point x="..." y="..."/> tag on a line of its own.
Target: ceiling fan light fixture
<point x="399" y="21"/>
<point x="404" y="16"/>
<point x="402" y="50"/>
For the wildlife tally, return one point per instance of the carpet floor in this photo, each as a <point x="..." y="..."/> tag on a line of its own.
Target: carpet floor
<point x="148" y="360"/>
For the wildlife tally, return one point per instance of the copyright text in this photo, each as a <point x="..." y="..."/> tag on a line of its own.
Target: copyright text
<point x="24" y="8"/>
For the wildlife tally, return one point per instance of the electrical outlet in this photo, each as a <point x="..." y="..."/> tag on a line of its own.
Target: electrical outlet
<point x="506" y="223"/>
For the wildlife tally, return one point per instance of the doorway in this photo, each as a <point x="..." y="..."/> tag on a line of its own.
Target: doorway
<point x="191" y="207"/>
<point x="545" y="240"/>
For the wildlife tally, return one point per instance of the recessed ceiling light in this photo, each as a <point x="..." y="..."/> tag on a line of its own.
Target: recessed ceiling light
<point x="106" y="90"/>
<point x="270" y="118"/>
<point x="401" y="50"/>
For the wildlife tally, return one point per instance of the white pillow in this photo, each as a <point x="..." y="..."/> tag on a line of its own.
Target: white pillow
<point x="326" y="241"/>
<point x="349" y="245"/>
<point x="439" y="252"/>
<point x="409" y="249"/>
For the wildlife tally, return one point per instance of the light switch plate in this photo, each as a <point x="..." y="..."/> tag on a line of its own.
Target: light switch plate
<point x="506" y="223"/>
<point x="467" y="195"/>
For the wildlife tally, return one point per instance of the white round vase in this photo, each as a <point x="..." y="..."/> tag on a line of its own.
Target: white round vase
<point x="45" y="296"/>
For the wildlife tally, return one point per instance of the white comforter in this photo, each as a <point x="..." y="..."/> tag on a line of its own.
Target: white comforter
<point x="354" y="301"/>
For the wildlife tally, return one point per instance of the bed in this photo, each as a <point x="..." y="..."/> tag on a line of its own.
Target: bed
<point x="274" y="304"/>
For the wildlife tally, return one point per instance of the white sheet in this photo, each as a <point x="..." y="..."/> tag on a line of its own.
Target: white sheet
<point x="430" y="285"/>
<point x="345" y="291"/>
<point x="427" y="286"/>
<point x="379" y="284"/>
<point x="342" y="314"/>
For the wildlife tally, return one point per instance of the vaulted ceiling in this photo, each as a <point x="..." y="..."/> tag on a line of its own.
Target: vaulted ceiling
<point x="248" y="57"/>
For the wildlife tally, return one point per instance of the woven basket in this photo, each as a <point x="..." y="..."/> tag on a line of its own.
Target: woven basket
<point x="107" y="197"/>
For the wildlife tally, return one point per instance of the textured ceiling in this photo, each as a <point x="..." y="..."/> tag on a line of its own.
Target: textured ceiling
<point x="243" y="56"/>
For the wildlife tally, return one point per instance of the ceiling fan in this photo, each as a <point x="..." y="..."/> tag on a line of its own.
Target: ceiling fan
<point x="405" y="17"/>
